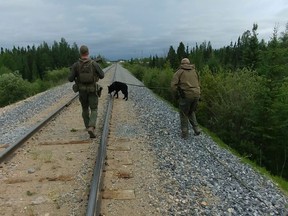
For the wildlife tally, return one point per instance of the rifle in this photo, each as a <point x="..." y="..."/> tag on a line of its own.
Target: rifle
<point x="181" y="92"/>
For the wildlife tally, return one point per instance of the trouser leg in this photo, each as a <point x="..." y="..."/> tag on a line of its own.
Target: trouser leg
<point x="83" y="97"/>
<point x="192" y="116"/>
<point x="93" y="104"/>
<point x="85" y="116"/>
<point x="183" y="122"/>
<point x="184" y="108"/>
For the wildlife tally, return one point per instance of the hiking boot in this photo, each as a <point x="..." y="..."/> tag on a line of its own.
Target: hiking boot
<point x="184" y="135"/>
<point x="91" y="132"/>
<point x="196" y="131"/>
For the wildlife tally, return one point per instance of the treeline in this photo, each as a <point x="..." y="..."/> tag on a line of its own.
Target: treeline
<point x="244" y="92"/>
<point x="33" y="62"/>
<point x="28" y="71"/>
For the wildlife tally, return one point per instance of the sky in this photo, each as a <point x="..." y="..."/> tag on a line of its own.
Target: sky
<point x="125" y="29"/>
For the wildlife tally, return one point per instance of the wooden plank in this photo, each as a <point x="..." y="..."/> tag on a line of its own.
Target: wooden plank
<point x="119" y="148"/>
<point x="124" y="174"/>
<point x="66" y="142"/>
<point x="114" y="163"/>
<point x="118" y="194"/>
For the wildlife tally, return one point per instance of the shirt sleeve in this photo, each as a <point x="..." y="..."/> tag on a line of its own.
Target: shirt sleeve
<point x="72" y="75"/>
<point x="175" y="81"/>
<point x="99" y="71"/>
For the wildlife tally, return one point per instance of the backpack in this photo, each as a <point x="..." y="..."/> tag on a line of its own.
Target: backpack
<point x="86" y="72"/>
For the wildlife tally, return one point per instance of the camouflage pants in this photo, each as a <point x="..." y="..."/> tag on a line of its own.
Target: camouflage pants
<point x="187" y="113"/>
<point x="89" y="103"/>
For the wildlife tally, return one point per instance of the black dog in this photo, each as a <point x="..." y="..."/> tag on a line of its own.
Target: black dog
<point x="117" y="86"/>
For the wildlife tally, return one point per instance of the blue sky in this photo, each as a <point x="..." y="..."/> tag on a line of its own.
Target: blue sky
<point x="137" y="28"/>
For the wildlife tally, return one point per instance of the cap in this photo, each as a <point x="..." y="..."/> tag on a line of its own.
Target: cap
<point x="84" y="50"/>
<point x="185" y="61"/>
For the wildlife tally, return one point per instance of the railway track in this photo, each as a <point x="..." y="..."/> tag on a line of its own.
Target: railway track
<point x="48" y="171"/>
<point x="59" y="170"/>
<point x="56" y="169"/>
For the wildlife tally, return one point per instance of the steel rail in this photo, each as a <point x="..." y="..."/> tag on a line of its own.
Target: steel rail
<point x="94" y="202"/>
<point x="4" y="154"/>
<point x="20" y="141"/>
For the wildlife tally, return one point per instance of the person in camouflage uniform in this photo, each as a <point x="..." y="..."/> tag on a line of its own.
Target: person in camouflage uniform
<point x="185" y="88"/>
<point x="87" y="90"/>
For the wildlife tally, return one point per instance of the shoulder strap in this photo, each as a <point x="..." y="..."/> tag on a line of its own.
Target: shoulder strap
<point x="80" y="64"/>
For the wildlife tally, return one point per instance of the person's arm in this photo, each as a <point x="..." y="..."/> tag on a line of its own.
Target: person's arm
<point x="174" y="82"/>
<point x="99" y="71"/>
<point x="72" y="75"/>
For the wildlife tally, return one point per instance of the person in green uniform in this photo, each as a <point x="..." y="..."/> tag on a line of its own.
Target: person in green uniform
<point x="86" y="73"/>
<point x="185" y="88"/>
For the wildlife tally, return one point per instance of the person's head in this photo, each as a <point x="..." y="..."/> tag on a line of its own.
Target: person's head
<point x="185" y="61"/>
<point x="84" y="51"/>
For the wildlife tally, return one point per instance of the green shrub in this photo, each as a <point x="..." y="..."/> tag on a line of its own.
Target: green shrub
<point x="39" y="86"/>
<point x="137" y="70"/>
<point x="57" y="76"/>
<point x="4" y="70"/>
<point x="12" y="88"/>
<point x="228" y="101"/>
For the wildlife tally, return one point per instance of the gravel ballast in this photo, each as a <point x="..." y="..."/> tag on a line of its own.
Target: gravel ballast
<point x="197" y="176"/>
<point x="202" y="178"/>
<point x="17" y="119"/>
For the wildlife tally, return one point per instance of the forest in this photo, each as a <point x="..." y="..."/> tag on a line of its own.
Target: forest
<point x="25" y="71"/>
<point x="244" y="92"/>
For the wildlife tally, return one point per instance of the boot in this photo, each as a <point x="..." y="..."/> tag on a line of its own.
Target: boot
<point x="184" y="134"/>
<point x="196" y="131"/>
<point x="91" y="132"/>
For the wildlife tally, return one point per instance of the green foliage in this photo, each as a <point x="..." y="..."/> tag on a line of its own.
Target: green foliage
<point x="57" y="76"/>
<point x="181" y="53"/>
<point x="12" y="88"/>
<point x="227" y="100"/>
<point x="280" y="127"/>
<point x="33" y="62"/>
<point x="154" y="78"/>
<point x="173" y="58"/>
<point x="4" y="70"/>
<point x="40" y="86"/>
<point x="137" y="70"/>
<point x="273" y="63"/>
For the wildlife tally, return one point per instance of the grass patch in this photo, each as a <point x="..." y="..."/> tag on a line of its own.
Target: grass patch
<point x="73" y="130"/>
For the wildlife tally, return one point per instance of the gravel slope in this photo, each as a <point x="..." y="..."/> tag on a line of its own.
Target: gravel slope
<point x="194" y="181"/>
<point x="199" y="177"/>
<point x="17" y="119"/>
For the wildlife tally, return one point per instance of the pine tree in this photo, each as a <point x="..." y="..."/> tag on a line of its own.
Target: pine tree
<point x="172" y="58"/>
<point x="181" y="53"/>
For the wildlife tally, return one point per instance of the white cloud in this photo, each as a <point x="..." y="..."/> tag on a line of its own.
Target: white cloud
<point x="128" y="28"/>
